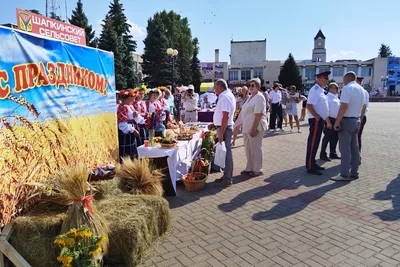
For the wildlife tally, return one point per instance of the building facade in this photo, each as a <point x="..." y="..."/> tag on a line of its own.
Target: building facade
<point x="248" y="60"/>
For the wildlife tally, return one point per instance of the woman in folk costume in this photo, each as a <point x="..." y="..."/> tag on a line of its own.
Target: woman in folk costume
<point x="164" y="104"/>
<point x="127" y="130"/>
<point x="153" y="105"/>
<point x="140" y="107"/>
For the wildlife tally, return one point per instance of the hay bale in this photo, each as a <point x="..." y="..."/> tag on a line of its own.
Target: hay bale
<point x="33" y="238"/>
<point x="106" y="188"/>
<point x="137" y="223"/>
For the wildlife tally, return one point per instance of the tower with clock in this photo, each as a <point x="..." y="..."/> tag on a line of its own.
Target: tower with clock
<point x="319" y="51"/>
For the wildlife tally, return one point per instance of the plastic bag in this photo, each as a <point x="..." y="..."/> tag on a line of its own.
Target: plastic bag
<point x="220" y="155"/>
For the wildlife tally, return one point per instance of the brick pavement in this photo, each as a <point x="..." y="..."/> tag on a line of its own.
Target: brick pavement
<point x="289" y="218"/>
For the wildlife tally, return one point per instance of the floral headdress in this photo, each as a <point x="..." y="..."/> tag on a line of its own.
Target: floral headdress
<point x="162" y="88"/>
<point x="154" y="90"/>
<point x="127" y="92"/>
<point x="141" y="88"/>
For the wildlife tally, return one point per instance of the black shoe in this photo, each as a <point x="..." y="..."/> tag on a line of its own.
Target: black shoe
<point x="314" y="172"/>
<point x="355" y="177"/>
<point x="325" y="158"/>
<point x="319" y="168"/>
<point x="219" y="180"/>
<point x="335" y="157"/>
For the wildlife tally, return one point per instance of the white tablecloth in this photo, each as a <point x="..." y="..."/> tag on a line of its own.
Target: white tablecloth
<point x="179" y="158"/>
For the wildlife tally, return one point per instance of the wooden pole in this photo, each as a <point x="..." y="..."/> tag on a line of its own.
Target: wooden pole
<point x="7" y="250"/>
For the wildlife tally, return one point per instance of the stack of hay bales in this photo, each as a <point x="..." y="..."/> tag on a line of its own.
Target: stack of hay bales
<point x="135" y="222"/>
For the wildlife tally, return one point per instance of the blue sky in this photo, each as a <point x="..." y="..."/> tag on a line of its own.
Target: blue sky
<point x="354" y="28"/>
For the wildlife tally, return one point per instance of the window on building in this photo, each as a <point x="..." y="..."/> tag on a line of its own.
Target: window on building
<point x="353" y="68"/>
<point x="338" y="72"/>
<point x="366" y="71"/>
<point x="258" y="73"/>
<point x="246" y="75"/>
<point x="310" y="73"/>
<point x="324" y="69"/>
<point x="233" y="75"/>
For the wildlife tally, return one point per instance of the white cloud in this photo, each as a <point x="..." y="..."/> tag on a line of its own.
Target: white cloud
<point x="343" y="55"/>
<point x="138" y="32"/>
<point x="14" y="48"/>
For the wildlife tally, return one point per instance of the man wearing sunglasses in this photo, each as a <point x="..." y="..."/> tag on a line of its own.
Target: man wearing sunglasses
<point x="317" y="111"/>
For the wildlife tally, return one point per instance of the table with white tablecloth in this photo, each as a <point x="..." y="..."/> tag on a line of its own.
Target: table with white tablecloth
<point x="179" y="158"/>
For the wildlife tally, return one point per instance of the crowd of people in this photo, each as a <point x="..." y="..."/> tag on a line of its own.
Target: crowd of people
<point x="246" y="110"/>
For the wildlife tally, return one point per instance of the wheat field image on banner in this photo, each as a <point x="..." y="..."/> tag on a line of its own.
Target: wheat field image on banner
<point x="57" y="108"/>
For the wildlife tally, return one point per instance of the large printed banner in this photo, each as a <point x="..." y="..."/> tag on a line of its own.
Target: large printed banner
<point x="47" y="27"/>
<point x="393" y="71"/>
<point x="57" y="106"/>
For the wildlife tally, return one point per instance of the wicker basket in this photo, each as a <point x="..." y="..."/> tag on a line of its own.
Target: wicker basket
<point x="196" y="185"/>
<point x="168" y="145"/>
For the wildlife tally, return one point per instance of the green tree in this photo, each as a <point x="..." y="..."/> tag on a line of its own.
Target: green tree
<point x="155" y="59"/>
<point x="180" y="36"/>
<point x="122" y="28"/>
<point x="195" y="66"/>
<point x="290" y="74"/>
<point x="35" y="11"/>
<point x="80" y="19"/>
<point x="385" y="51"/>
<point x="53" y="15"/>
<point x="109" y="41"/>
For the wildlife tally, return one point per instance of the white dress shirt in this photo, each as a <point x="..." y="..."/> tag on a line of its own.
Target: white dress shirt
<point x="366" y="99"/>
<point x="353" y="95"/>
<point x="226" y="103"/>
<point x="255" y="104"/>
<point x="275" y="97"/>
<point x="334" y="105"/>
<point x="318" y="99"/>
<point x="190" y="104"/>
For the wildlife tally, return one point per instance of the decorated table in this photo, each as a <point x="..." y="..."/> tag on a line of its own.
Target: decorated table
<point x="178" y="158"/>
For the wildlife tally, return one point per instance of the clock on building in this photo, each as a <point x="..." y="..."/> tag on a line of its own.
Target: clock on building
<point x="319" y="44"/>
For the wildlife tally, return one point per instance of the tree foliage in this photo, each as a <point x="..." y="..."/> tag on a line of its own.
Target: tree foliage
<point x="385" y="51"/>
<point x="195" y="66"/>
<point x="53" y="15"/>
<point x="109" y="41"/>
<point x="179" y="37"/>
<point x="155" y="58"/>
<point x="35" y="11"/>
<point x="290" y="74"/>
<point x="80" y="19"/>
<point x="116" y="37"/>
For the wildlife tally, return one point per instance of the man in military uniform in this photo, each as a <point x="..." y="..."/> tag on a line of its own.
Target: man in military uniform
<point x="364" y="118"/>
<point x="317" y="111"/>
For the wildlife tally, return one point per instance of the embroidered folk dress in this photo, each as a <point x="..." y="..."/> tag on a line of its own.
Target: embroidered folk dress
<point x="126" y="129"/>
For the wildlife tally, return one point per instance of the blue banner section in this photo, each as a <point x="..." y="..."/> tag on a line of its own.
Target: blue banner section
<point x="393" y="71"/>
<point x="44" y="78"/>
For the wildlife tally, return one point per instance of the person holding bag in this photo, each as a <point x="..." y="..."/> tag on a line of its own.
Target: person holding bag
<point x="254" y="123"/>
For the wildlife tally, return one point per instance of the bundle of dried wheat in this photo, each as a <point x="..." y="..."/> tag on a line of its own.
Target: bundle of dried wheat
<point x="74" y="190"/>
<point x="137" y="177"/>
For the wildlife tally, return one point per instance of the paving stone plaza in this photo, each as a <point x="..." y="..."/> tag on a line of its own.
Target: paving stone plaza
<point x="290" y="218"/>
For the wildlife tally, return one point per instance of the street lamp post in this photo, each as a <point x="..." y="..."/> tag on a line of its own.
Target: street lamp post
<point x="172" y="55"/>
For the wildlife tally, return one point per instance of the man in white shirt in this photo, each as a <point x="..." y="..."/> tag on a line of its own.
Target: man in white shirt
<point x="317" y="111"/>
<point x="363" y="119"/>
<point x="330" y="135"/>
<point x="352" y="108"/>
<point x="223" y="121"/>
<point x="190" y="103"/>
<point x="275" y="99"/>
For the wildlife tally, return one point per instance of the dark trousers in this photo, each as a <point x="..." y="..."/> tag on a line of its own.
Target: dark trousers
<point x="276" y="111"/>
<point x="332" y="137"/>
<point x="361" y="131"/>
<point x="314" y="137"/>
<point x="127" y="145"/>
